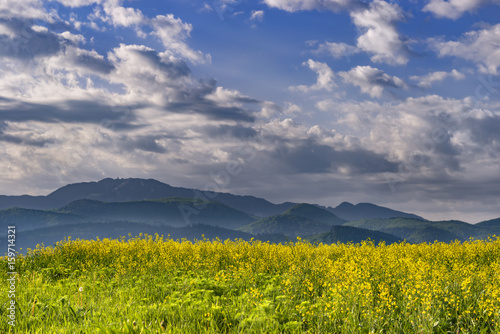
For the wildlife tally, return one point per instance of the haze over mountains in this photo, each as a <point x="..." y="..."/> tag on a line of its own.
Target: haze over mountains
<point x="116" y="207"/>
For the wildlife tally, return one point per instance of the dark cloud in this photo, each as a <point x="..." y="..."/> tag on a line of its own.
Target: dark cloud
<point x="71" y="111"/>
<point x="484" y="131"/>
<point x="195" y="101"/>
<point x="311" y="157"/>
<point x="94" y="64"/>
<point x="234" y="131"/>
<point x="27" y="43"/>
<point x="174" y="69"/>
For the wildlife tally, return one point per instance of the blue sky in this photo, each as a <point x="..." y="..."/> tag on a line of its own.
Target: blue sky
<point x="322" y="101"/>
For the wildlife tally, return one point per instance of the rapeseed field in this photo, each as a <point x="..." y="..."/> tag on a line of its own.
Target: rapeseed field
<point x="152" y="284"/>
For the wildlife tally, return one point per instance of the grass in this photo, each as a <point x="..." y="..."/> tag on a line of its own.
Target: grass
<point x="154" y="285"/>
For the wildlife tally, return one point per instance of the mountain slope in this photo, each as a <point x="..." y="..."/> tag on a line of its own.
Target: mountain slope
<point x="121" y="190"/>
<point x="313" y="212"/>
<point x="289" y="225"/>
<point x="173" y="211"/>
<point x="348" y="211"/>
<point x="417" y="230"/>
<point x="50" y="235"/>
<point x="345" y="234"/>
<point x="28" y="219"/>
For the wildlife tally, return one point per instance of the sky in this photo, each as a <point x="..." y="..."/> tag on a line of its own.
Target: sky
<point x="319" y="101"/>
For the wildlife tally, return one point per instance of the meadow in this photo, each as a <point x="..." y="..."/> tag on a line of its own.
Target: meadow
<point x="152" y="284"/>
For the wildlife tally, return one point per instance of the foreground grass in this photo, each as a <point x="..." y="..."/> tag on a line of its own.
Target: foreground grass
<point x="153" y="285"/>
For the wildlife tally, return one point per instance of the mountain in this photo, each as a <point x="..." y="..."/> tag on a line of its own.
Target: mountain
<point x="28" y="219"/>
<point x="313" y="212"/>
<point x="345" y="234"/>
<point x="287" y="224"/>
<point x="173" y="211"/>
<point x="360" y="211"/>
<point x="490" y="223"/>
<point x="418" y="230"/>
<point x="113" y="230"/>
<point x="122" y="190"/>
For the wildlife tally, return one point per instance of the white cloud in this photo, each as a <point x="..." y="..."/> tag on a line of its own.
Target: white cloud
<point x="427" y="80"/>
<point x="296" y="5"/>
<point x="453" y="9"/>
<point x="79" y="3"/>
<point x="173" y="34"/>
<point x="26" y="9"/>
<point x="257" y="15"/>
<point x="479" y="46"/>
<point x="380" y="36"/>
<point x="371" y="80"/>
<point x="121" y="16"/>
<point x="337" y="50"/>
<point x="325" y="77"/>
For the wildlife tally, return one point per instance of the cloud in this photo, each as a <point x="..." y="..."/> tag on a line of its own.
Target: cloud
<point x="337" y="50"/>
<point x="257" y="15"/>
<point x="22" y="40"/>
<point x="380" y="36"/>
<point x="427" y="80"/>
<point x="479" y="46"/>
<point x="173" y="34"/>
<point x="297" y="5"/>
<point x="371" y="80"/>
<point x="325" y="77"/>
<point x="453" y="9"/>
<point x="26" y="9"/>
<point x="308" y="156"/>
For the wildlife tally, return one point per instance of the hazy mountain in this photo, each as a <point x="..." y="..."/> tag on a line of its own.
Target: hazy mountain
<point x="287" y="224"/>
<point x="113" y="230"/>
<point x="28" y="219"/>
<point x="173" y="211"/>
<point x="349" y="211"/>
<point x="345" y="234"/>
<point x="490" y="223"/>
<point x="417" y="230"/>
<point x="313" y="212"/>
<point x="121" y="190"/>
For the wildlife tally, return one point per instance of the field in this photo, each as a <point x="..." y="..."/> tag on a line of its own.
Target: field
<point x="155" y="285"/>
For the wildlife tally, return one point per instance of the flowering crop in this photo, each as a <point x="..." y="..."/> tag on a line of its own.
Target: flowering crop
<point x="150" y="284"/>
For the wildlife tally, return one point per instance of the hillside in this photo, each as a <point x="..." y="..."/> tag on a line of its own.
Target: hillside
<point x="113" y="230"/>
<point x="28" y="219"/>
<point x="126" y="190"/>
<point x="173" y="211"/>
<point x="416" y="230"/>
<point x="289" y="225"/>
<point x="345" y="234"/>
<point x="360" y="211"/>
<point x="313" y="212"/>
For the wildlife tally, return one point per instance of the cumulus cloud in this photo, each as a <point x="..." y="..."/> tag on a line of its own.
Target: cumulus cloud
<point x="427" y="80"/>
<point x="325" y="77"/>
<point x="479" y="46"/>
<point x="380" y="36"/>
<point x="453" y="9"/>
<point x="371" y="80"/>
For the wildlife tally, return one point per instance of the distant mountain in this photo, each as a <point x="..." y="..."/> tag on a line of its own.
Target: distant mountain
<point x="287" y="224"/>
<point x="345" y="234"/>
<point x="122" y="190"/>
<point x="490" y="223"/>
<point x="28" y="219"/>
<point x="173" y="211"/>
<point x="418" y="230"/>
<point x="113" y="230"/>
<point x="360" y="211"/>
<point x="313" y="212"/>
